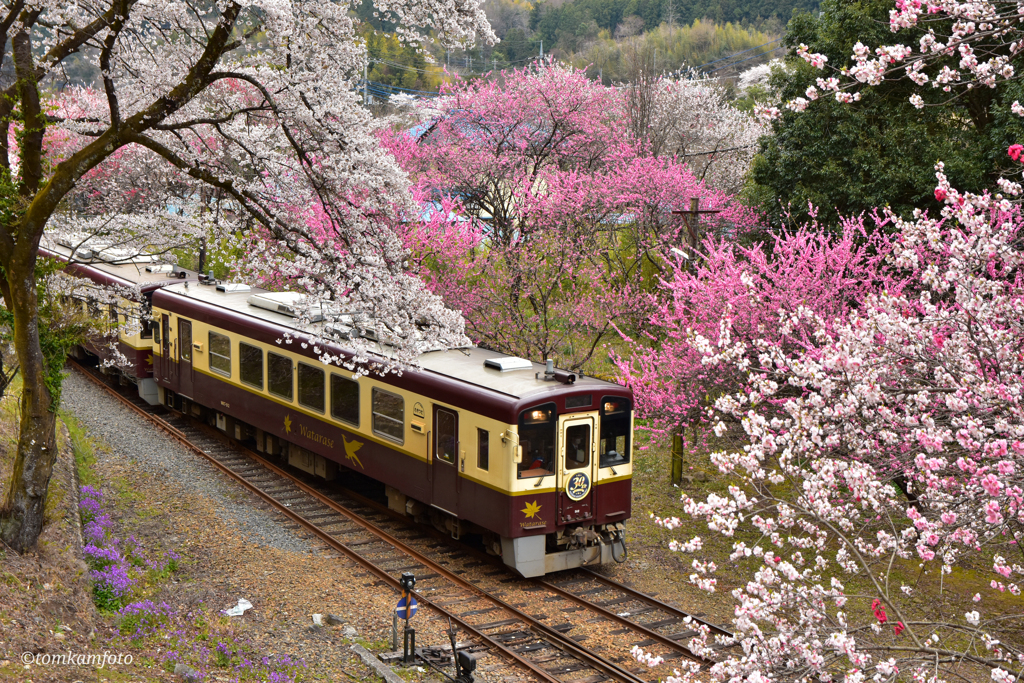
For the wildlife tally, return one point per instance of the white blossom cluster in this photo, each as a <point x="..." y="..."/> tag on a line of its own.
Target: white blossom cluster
<point x="694" y="120"/>
<point x="237" y="122"/>
<point x="964" y="45"/>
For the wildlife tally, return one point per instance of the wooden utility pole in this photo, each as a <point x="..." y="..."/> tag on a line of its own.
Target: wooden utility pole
<point x="678" y="444"/>
<point x="691" y="219"/>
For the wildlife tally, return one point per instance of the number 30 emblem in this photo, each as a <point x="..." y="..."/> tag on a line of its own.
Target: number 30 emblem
<point x="578" y="486"/>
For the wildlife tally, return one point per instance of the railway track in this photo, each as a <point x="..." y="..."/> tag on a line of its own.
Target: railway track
<point x="526" y="621"/>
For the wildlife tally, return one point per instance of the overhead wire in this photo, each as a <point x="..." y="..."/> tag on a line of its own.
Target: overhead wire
<point x="762" y="54"/>
<point x="385" y="90"/>
<point x="736" y="54"/>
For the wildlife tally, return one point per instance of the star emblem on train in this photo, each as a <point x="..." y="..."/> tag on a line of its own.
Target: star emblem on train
<point x="288" y="424"/>
<point x="531" y="509"/>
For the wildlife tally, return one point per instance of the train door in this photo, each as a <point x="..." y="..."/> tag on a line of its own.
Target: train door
<point x="445" y="462"/>
<point x="185" y="380"/>
<point x="166" y="367"/>
<point x="577" y="468"/>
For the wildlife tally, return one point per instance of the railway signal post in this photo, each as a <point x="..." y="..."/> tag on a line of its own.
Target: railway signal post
<point x="406" y="609"/>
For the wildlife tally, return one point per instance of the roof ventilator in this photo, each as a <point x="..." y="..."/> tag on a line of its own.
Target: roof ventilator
<point x="291" y="304"/>
<point x="169" y="268"/>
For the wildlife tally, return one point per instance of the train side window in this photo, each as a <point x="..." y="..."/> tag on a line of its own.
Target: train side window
<point x="279" y="375"/>
<point x="345" y="399"/>
<point x="388" y="415"/>
<point x="311" y="387"/>
<point x="483" y="449"/>
<point x="446" y="435"/>
<point x="145" y="325"/>
<point x="615" y="430"/>
<point x="250" y="365"/>
<point x="220" y="354"/>
<point x="154" y="326"/>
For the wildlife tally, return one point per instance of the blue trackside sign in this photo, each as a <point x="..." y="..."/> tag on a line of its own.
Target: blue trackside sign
<point x="407" y="607"/>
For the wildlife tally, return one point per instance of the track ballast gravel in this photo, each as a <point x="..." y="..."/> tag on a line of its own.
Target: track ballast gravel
<point x="131" y="437"/>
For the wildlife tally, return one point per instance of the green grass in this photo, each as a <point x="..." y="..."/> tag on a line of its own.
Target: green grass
<point x="84" y="449"/>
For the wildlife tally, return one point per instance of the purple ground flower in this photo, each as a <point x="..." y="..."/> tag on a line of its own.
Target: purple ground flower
<point x="90" y="509"/>
<point x="91" y="492"/>
<point x="101" y="558"/>
<point x="97" y="530"/>
<point x="142" y="619"/>
<point x="115" y="579"/>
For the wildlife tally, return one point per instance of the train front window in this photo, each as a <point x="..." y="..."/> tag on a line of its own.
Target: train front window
<point x="537" y="427"/>
<point x="279" y="375"/>
<point x="577" y="447"/>
<point x="615" y="430"/>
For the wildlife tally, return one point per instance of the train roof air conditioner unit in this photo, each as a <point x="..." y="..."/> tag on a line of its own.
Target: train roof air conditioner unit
<point x="292" y="304"/>
<point x="507" y="363"/>
<point x="231" y="287"/>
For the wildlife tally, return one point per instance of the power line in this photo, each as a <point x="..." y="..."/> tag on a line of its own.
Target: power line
<point x="757" y="56"/>
<point x="734" y="54"/>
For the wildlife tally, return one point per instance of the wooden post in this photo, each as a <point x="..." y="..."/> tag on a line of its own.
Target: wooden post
<point x="677" y="456"/>
<point x="693" y="225"/>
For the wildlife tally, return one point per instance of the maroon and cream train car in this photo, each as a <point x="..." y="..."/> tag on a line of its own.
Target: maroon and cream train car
<point x="536" y="462"/>
<point x="139" y="274"/>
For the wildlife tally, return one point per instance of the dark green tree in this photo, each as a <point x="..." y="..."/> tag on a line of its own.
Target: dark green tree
<point x="881" y="151"/>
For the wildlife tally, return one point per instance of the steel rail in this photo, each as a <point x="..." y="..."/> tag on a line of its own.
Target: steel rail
<point x="561" y="641"/>
<point x="604" y="612"/>
<point x="654" y="602"/>
<point x="608" y="614"/>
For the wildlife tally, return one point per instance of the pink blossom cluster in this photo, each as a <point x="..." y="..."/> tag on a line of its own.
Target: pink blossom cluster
<point x="735" y="296"/>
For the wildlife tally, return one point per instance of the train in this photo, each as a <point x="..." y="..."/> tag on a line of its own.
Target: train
<point x="535" y="461"/>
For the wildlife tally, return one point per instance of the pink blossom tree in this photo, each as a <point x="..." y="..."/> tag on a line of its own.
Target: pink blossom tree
<point x="561" y="219"/>
<point x="924" y="384"/>
<point x="734" y="295"/>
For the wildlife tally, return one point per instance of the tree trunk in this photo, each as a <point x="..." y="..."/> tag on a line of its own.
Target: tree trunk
<point x="22" y="518"/>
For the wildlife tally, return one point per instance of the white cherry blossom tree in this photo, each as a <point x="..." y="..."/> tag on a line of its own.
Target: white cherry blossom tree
<point x="244" y="111"/>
